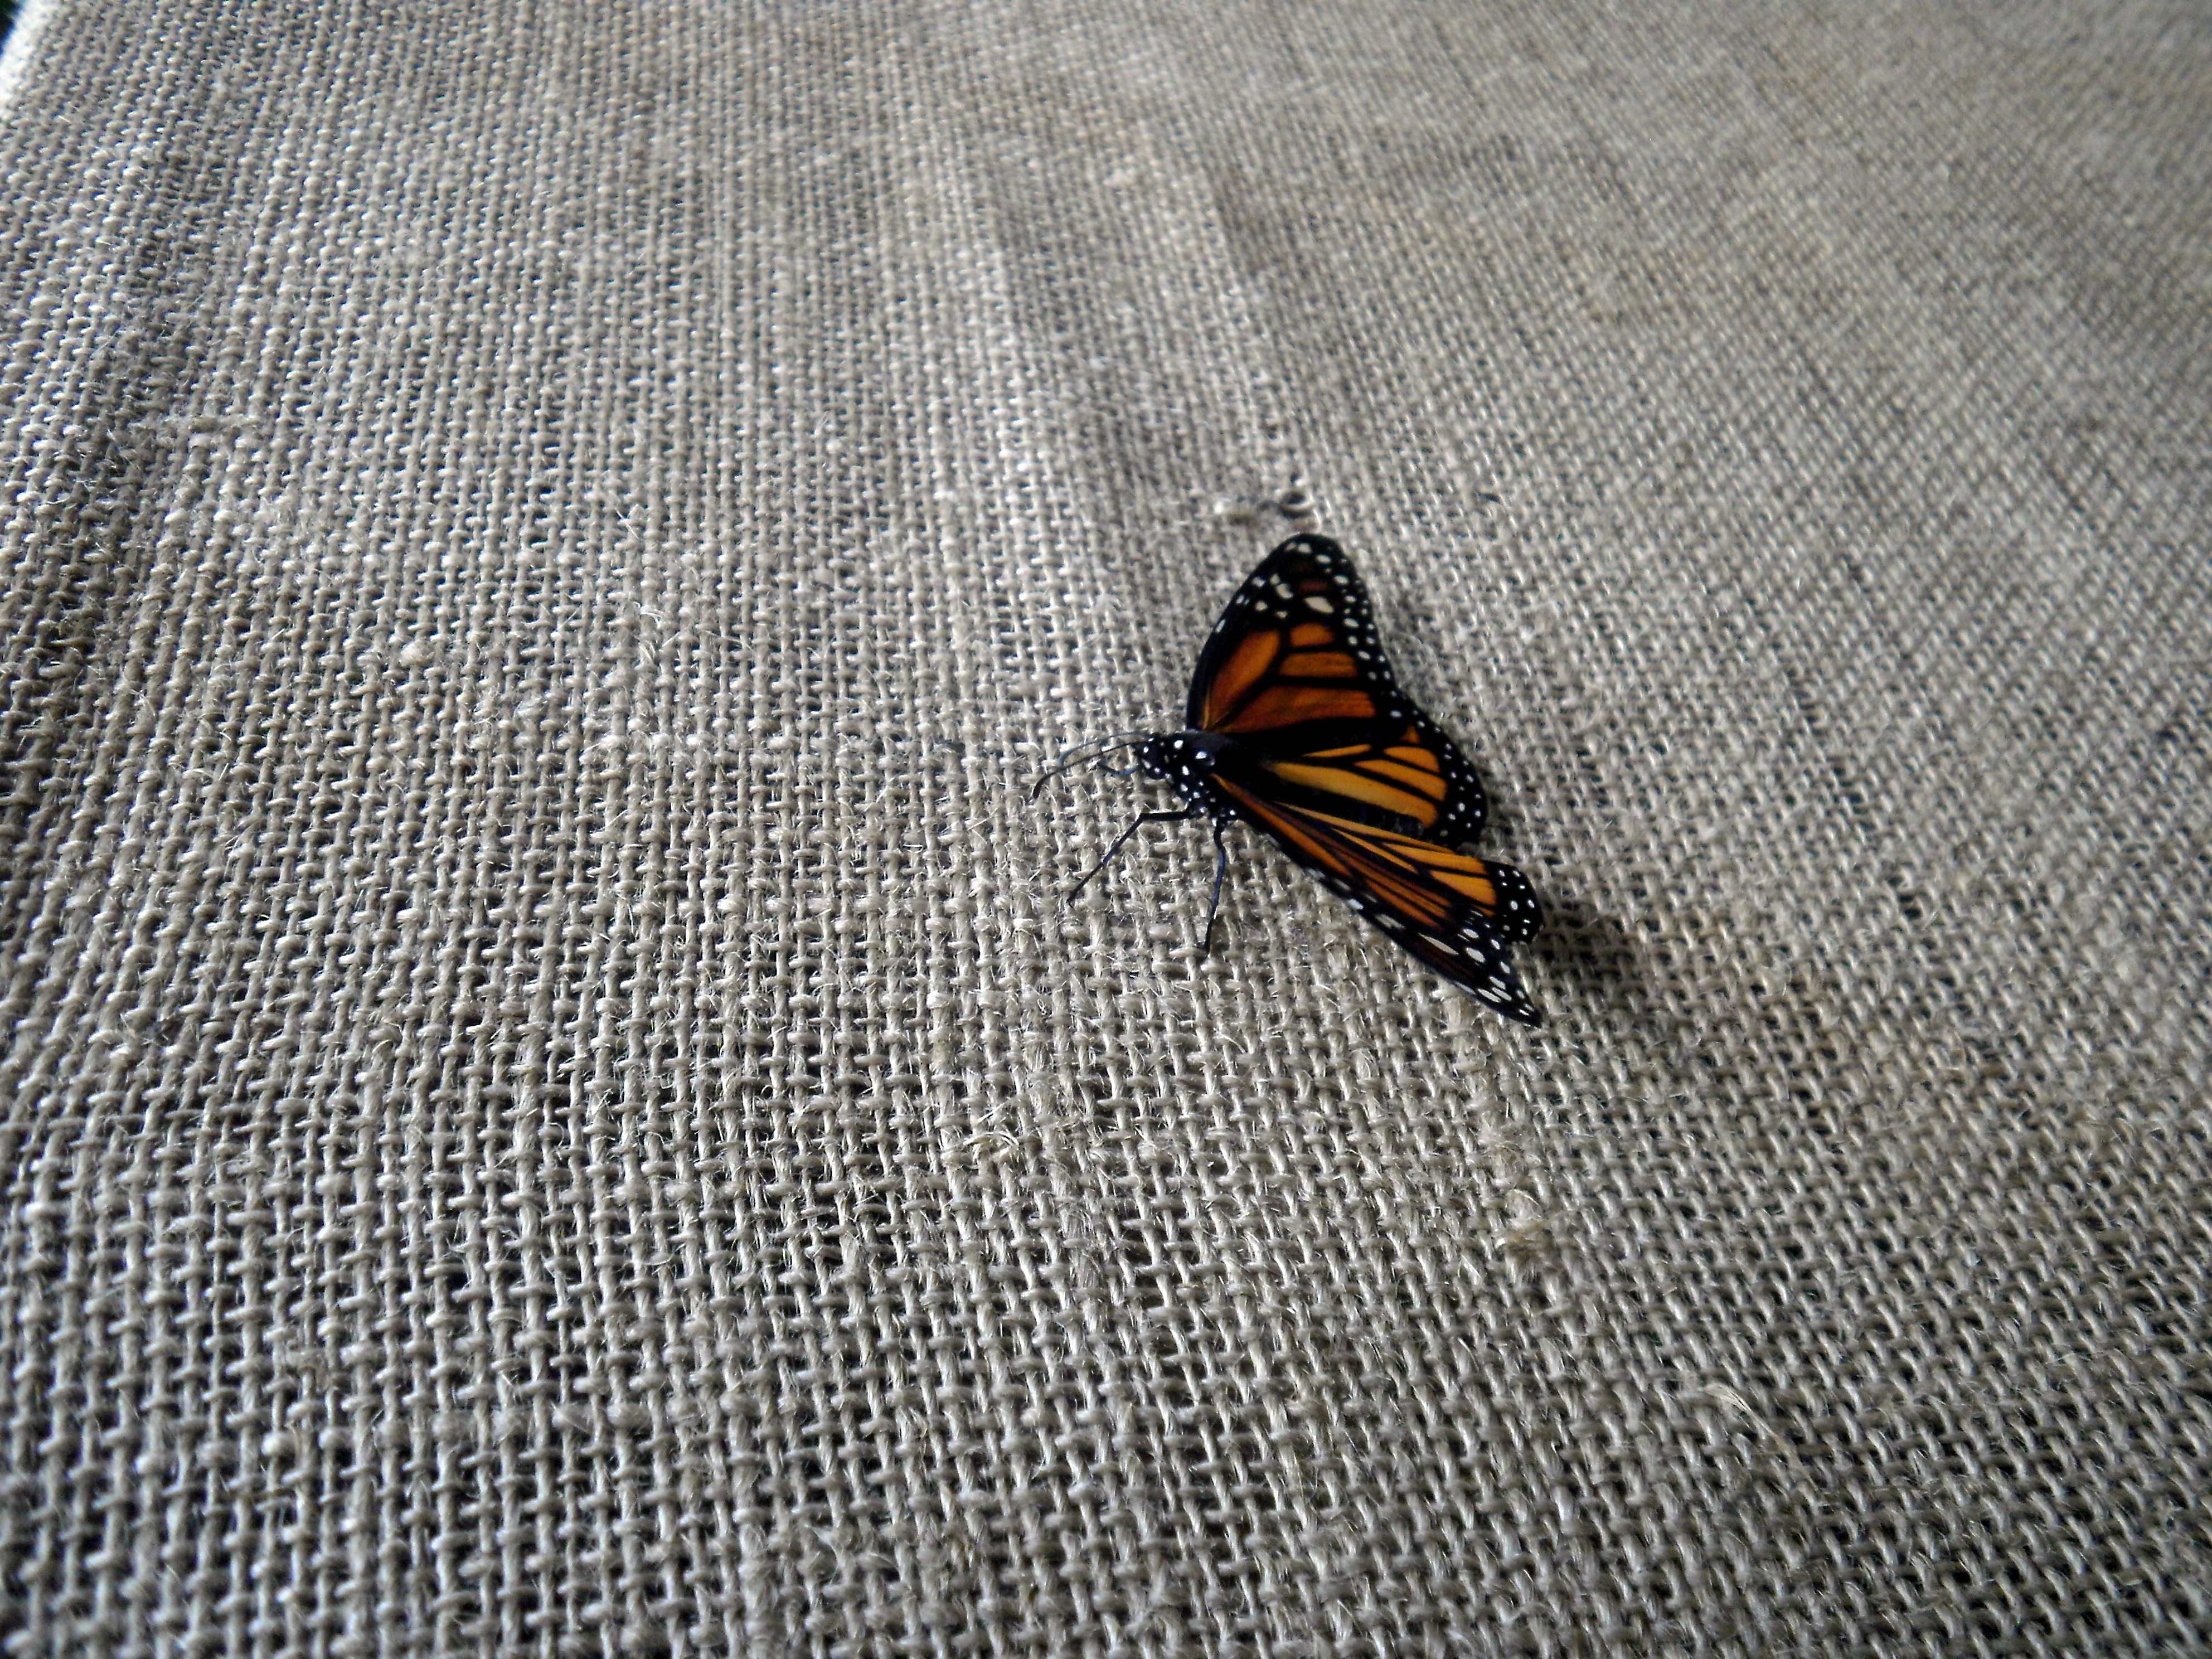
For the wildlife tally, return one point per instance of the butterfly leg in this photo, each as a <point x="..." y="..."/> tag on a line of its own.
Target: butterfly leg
<point x="1121" y="840"/>
<point x="1220" y="869"/>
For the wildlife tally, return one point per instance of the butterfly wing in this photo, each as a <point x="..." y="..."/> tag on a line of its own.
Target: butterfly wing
<point x="1295" y="672"/>
<point x="1457" y="912"/>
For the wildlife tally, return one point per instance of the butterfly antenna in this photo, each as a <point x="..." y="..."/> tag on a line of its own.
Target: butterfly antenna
<point x="1084" y="751"/>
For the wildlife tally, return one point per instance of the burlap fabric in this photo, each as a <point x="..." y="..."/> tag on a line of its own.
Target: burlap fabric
<point x="552" y="1104"/>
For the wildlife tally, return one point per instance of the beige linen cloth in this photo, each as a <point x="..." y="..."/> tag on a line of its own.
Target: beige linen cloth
<point x="552" y="1104"/>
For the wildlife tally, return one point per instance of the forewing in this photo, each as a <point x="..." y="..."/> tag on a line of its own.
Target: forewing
<point x="1302" y="621"/>
<point x="1295" y="672"/>
<point x="1457" y="912"/>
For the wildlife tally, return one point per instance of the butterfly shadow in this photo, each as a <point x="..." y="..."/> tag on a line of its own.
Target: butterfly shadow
<point x="1590" y="959"/>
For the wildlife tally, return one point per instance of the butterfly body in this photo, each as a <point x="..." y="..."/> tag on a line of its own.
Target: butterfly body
<point x="1188" y="760"/>
<point x="1214" y="774"/>
<point x="1294" y="726"/>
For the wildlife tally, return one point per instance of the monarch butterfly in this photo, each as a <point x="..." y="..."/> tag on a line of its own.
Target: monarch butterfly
<point x="1294" y="726"/>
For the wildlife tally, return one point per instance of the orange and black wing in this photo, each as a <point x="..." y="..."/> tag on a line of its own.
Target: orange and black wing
<point x="1457" y="912"/>
<point x="1294" y="671"/>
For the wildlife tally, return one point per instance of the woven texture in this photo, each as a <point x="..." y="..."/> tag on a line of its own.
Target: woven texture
<point x="552" y="1103"/>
